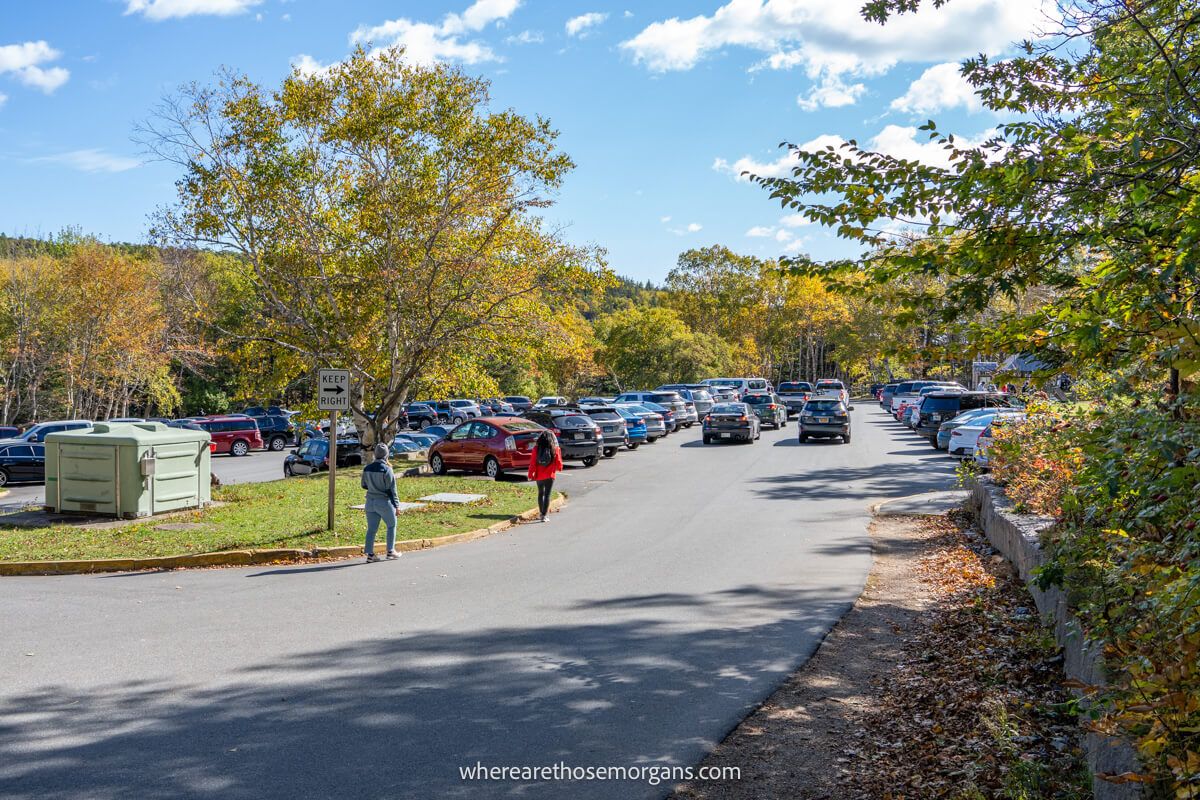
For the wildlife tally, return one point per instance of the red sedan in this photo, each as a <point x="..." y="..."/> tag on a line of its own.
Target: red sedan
<point x="491" y="445"/>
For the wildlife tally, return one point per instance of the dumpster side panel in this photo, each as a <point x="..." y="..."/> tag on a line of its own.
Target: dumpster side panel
<point x="87" y="477"/>
<point x="177" y="478"/>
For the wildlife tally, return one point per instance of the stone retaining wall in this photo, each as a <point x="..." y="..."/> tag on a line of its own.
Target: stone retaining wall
<point x="1017" y="536"/>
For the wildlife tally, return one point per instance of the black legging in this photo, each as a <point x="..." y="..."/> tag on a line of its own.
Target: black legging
<point x="544" y="490"/>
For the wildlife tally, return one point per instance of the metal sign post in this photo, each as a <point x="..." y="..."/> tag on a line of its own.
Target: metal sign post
<point x="333" y="395"/>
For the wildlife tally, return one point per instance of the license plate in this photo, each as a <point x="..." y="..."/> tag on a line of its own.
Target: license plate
<point x="723" y="435"/>
<point x="935" y="417"/>
<point x="609" y="429"/>
<point x="823" y="420"/>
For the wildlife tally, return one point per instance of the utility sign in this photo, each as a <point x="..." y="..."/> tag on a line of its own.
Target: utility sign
<point x="334" y="390"/>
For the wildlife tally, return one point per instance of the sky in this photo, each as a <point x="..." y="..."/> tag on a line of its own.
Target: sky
<point x="660" y="104"/>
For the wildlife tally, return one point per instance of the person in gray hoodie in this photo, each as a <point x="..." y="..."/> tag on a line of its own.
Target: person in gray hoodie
<point x="382" y="501"/>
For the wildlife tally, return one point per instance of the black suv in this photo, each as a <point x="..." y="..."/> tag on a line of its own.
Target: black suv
<point x="277" y="431"/>
<point x="578" y="436"/>
<point x="937" y="407"/>
<point x="420" y="415"/>
<point x="313" y="456"/>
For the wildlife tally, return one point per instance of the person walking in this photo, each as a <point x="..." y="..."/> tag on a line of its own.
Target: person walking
<point x="543" y="466"/>
<point x="382" y="502"/>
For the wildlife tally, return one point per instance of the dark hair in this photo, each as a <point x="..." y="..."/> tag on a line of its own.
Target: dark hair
<point x="545" y="449"/>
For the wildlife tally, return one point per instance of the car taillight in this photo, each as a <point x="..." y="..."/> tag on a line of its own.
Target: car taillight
<point x="212" y="447"/>
<point x="955" y="433"/>
<point x="325" y="461"/>
<point x="510" y="443"/>
<point x="742" y="418"/>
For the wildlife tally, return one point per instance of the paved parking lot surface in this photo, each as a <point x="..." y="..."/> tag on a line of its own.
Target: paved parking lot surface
<point x="680" y="585"/>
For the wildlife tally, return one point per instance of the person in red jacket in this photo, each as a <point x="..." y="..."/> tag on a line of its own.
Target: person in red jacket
<point x="543" y="466"/>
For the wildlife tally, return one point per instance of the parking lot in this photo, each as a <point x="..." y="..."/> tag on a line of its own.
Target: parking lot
<point x="679" y="585"/>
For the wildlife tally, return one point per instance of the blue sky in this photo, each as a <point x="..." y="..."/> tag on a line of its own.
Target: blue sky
<point x="661" y="104"/>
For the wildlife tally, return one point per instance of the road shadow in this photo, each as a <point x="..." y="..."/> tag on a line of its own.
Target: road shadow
<point x="397" y="716"/>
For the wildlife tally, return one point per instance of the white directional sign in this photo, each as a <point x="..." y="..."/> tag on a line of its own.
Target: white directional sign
<point x="333" y="390"/>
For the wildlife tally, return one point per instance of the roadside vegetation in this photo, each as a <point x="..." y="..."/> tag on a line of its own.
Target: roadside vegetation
<point x="1079" y="220"/>
<point x="277" y="514"/>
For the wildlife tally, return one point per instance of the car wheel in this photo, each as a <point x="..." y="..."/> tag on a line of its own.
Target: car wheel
<point x="239" y="448"/>
<point x="458" y="420"/>
<point x="933" y="443"/>
<point x="651" y="439"/>
<point x="589" y="461"/>
<point x="687" y="424"/>
<point x="845" y="438"/>
<point x="491" y="468"/>
<point x="277" y="443"/>
<point x="803" y="439"/>
<point x="784" y="423"/>
<point x="424" y="423"/>
<point x="3" y="477"/>
<point x="634" y="445"/>
<point x="437" y="464"/>
<point x="609" y="452"/>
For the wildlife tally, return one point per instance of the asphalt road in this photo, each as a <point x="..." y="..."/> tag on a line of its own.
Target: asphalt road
<point x="677" y="589"/>
<point x="257" y="466"/>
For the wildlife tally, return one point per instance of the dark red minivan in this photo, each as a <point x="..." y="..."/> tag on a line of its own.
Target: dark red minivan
<point x="234" y="435"/>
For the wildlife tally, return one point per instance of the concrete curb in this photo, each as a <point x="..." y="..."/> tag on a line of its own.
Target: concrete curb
<point x="242" y="558"/>
<point x="1018" y="538"/>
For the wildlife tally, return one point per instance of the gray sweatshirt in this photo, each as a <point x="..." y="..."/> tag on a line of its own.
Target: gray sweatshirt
<point x="380" y="482"/>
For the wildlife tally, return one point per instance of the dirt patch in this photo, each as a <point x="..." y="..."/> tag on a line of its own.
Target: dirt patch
<point x="940" y="682"/>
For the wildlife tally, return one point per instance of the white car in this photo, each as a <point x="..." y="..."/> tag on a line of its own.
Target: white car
<point x="551" y="401"/>
<point x="964" y="440"/>
<point x="830" y="389"/>
<point x="984" y="442"/>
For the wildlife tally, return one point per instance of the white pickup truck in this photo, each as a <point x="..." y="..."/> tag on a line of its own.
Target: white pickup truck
<point x="830" y="389"/>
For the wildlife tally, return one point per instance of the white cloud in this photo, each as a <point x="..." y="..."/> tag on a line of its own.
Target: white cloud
<point x="693" y="227"/>
<point x="426" y="43"/>
<point x="23" y="62"/>
<point x="664" y="219"/>
<point x="92" y="160"/>
<point x="577" y="26"/>
<point x="831" y="39"/>
<point x="784" y="235"/>
<point x="627" y="14"/>
<point x="901" y="142"/>
<point x="778" y="168"/>
<point x="309" y="66"/>
<point x="526" y="37"/>
<point x="159" y="10"/>
<point x="794" y="221"/>
<point x="940" y="87"/>
<point x="760" y="231"/>
<point x="831" y="92"/>
<point x="3" y="99"/>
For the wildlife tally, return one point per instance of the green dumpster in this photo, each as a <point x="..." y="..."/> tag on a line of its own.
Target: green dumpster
<point x="127" y="469"/>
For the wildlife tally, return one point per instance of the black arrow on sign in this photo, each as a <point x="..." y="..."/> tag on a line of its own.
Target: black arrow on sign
<point x="335" y="389"/>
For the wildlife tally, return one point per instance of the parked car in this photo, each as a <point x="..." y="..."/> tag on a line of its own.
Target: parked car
<point x="38" y="433"/>
<point x="769" y="408"/>
<point x="670" y="423"/>
<point x="824" y="418"/>
<point x="683" y="416"/>
<point x="636" y="432"/>
<point x="491" y="445"/>
<point x="277" y="431"/>
<point x="125" y="419"/>
<point x="313" y="456"/>
<point x="579" y="437"/>
<point x="731" y="422"/>
<point x="906" y="391"/>
<point x="886" y="394"/>
<point x="469" y="407"/>
<point x="741" y="385"/>
<point x="422" y="439"/>
<point x="440" y="431"/>
<point x="655" y="427"/>
<point x="236" y="436"/>
<point x="9" y="431"/>
<point x="612" y="427"/>
<point x="794" y="394"/>
<point x="444" y="411"/>
<point x="519" y="402"/>
<point x="986" y="437"/>
<point x="421" y="416"/>
<point x="980" y="417"/>
<point x="400" y="446"/>
<point x="595" y="401"/>
<point x="493" y="406"/>
<point x="938" y="407"/>
<point x="697" y="393"/>
<point x="551" y="400"/>
<point x="22" y="463"/>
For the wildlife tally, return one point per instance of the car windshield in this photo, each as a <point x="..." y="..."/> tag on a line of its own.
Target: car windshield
<point x="824" y="407"/>
<point x="756" y="384"/>
<point x="789" y="387"/>
<point x="571" y="421"/>
<point x="725" y="382"/>
<point x="729" y="408"/>
<point x="604" y="416"/>
<point x="655" y="407"/>
<point x="666" y="397"/>
<point x="830" y="385"/>
<point x="757" y="399"/>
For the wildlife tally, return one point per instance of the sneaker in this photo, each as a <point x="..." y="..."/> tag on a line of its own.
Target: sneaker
<point x="372" y="558"/>
<point x="392" y="555"/>
<point x="543" y="517"/>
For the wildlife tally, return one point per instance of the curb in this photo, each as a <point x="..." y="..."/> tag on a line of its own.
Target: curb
<point x="242" y="558"/>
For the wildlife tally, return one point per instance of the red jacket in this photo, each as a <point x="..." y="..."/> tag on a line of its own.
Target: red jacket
<point x="539" y="473"/>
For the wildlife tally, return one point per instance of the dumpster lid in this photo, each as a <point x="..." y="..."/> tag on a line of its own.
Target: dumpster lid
<point x="134" y="433"/>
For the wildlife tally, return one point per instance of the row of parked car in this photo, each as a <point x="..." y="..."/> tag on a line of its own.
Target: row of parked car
<point x="950" y="416"/>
